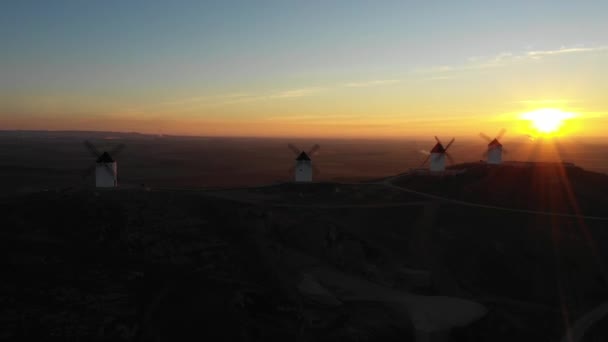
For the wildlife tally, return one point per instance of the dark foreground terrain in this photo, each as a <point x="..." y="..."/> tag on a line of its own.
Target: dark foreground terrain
<point x="317" y="262"/>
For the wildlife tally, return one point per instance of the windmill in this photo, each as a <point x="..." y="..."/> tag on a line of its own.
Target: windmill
<point x="495" y="150"/>
<point x="438" y="155"/>
<point x="106" y="172"/>
<point x="303" y="170"/>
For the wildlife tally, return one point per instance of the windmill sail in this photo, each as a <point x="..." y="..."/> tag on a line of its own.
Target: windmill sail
<point x="304" y="170"/>
<point x="494" y="152"/>
<point x="105" y="167"/>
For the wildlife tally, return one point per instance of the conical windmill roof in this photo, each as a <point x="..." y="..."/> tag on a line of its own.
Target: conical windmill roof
<point x="105" y="158"/>
<point x="494" y="143"/>
<point x="303" y="156"/>
<point x="438" y="149"/>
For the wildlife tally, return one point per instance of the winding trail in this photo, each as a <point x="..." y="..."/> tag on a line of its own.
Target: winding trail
<point x="583" y="324"/>
<point x="387" y="182"/>
<point x="574" y="334"/>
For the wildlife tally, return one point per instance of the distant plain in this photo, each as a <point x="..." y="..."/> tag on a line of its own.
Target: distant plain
<point x="33" y="161"/>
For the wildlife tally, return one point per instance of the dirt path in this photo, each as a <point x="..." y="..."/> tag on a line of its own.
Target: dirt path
<point x="427" y="313"/>
<point x="388" y="182"/>
<point x="580" y="327"/>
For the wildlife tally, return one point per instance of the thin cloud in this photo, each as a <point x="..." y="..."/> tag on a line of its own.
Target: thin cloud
<point x="276" y="95"/>
<point x="475" y="63"/>
<point x="192" y="103"/>
<point x="283" y="94"/>
<point x="185" y="103"/>
<point x="435" y="69"/>
<point x="373" y="83"/>
<point x="439" y="78"/>
<point x="546" y="101"/>
<point x="195" y="102"/>
<point x="203" y="99"/>
<point x="312" y="117"/>
<point x="296" y="93"/>
<point x="562" y="51"/>
<point x="508" y="58"/>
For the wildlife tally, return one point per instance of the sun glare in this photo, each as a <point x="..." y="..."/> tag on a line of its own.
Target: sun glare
<point x="547" y="120"/>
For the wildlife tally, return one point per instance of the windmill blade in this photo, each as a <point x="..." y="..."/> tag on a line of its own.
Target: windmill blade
<point x="295" y="150"/>
<point x="450" y="144"/>
<point x="88" y="171"/>
<point x="501" y="134"/>
<point x="92" y="149"/>
<point x="117" y="150"/>
<point x="450" y="159"/>
<point x="439" y="141"/>
<point x="485" y="137"/>
<point x="425" y="152"/>
<point x="314" y="149"/>
<point x="425" y="160"/>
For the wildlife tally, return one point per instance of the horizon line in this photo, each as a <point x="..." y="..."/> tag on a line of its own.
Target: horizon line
<point x="381" y="138"/>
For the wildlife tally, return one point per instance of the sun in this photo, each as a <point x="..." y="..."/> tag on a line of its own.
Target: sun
<point x="547" y="120"/>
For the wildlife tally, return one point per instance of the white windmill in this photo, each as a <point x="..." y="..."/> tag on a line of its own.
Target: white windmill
<point x="438" y="155"/>
<point x="303" y="170"/>
<point x="106" y="171"/>
<point x="495" y="150"/>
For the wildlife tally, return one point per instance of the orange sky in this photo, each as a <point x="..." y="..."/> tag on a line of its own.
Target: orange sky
<point x="395" y="70"/>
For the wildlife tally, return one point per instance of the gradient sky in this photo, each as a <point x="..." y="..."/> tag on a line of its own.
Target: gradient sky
<point x="301" y="68"/>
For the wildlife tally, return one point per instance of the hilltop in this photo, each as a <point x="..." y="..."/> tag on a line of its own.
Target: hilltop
<point x="317" y="262"/>
<point x="553" y="187"/>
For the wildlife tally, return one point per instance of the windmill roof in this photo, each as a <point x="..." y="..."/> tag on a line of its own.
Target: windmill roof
<point x="303" y="156"/>
<point x="438" y="149"/>
<point x="495" y="143"/>
<point x="105" y="158"/>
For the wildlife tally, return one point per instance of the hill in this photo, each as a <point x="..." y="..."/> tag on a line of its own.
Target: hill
<point x="553" y="187"/>
<point x="311" y="262"/>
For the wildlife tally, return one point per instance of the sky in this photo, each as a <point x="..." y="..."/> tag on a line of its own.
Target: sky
<point x="302" y="68"/>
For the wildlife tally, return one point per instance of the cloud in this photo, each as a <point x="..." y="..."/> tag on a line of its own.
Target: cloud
<point x="435" y="69"/>
<point x="197" y="102"/>
<point x="475" y="63"/>
<point x="563" y="50"/>
<point x="373" y="83"/>
<point x="295" y="93"/>
<point x="508" y="58"/>
<point x="214" y="98"/>
<point x="312" y="117"/>
<point x="281" y="94"/>
<point x="308" y="91"/>
<point x="546" y="101"/>
<point x="439" y="78"/>
<point x="184" y="101"/>
<point x="232" y="98"/>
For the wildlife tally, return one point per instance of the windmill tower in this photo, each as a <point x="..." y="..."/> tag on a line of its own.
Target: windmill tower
<point x="303" y="170"/>
<point x="105" y="168"/>
<point x="495" y="150"/>
<point x="437" y="156"/>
